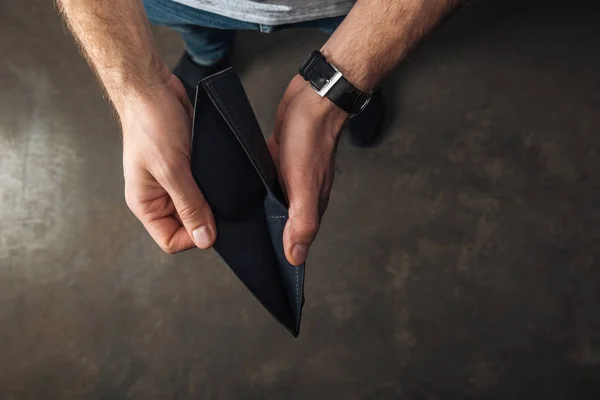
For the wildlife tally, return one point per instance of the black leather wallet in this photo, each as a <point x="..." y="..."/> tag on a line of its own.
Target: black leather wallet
<point x="232" y="166"/>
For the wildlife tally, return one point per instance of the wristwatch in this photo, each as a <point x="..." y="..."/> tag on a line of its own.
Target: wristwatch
<point x="328" y="81"/>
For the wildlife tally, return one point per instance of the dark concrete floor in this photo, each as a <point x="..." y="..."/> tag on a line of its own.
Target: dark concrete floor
<point x="460" y="259"/>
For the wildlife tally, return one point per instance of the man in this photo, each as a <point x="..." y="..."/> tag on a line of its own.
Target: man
<point x="155" y="111"/>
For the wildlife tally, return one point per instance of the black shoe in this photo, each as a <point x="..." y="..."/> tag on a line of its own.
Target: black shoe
<point x="190" y="73"/>
<point x="365" y="129"/>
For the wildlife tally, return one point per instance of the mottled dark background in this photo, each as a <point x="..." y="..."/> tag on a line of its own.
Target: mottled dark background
<point x="460" y="259"/>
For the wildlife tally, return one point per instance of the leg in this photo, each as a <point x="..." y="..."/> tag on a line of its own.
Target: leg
<point x="206" y="46"/>
<point x="208" y="37"/>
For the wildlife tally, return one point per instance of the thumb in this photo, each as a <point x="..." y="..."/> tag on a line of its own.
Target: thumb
<point x="193" y="210"/>
<point x="303" y="223"/>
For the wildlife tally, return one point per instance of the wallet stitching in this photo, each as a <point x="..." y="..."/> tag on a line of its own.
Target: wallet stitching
<point x="297" y="295"/>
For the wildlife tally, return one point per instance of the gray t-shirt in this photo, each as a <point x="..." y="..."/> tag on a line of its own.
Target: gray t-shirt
<point x="273" y="12"/>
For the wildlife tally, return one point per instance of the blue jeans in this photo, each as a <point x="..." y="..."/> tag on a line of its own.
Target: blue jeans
<point x="208" y="37"/>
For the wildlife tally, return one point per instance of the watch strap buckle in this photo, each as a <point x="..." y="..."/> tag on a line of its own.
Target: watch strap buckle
<point x="330" y="83"/>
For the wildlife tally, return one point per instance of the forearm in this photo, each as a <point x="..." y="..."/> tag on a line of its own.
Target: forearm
<point x="115" y="38"/>
<point x="377" y="34"/>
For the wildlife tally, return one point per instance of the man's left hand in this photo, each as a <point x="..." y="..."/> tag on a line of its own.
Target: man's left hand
<point x="303" y="145"/>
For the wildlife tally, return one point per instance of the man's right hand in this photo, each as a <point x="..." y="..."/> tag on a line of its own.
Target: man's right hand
<point x="159" y="187"/>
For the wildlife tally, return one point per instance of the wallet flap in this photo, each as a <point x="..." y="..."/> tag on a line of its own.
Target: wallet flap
<point x="237" y="112"/>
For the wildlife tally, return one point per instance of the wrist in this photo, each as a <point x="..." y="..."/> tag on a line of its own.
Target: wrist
<point x="357" y="70"/>
<point x="323" y="106"/>
<point x="131" y="84"/>
<point x="319" y="107"/>
<point x="133" y="103"/>
<point x="330" y="113"/>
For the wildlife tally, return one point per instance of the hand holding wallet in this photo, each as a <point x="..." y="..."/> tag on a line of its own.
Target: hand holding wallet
<point x="234" y="170"/>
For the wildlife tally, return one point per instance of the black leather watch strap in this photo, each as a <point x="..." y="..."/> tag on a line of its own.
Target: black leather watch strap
<point x="316" y="70"/>
<point x="329" y="82"/>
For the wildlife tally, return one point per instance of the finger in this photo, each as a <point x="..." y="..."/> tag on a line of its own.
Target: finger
<point x="183" y="97"/>
<point x="303" y="222"/>
<point x="189" y="108"/>
<point x="279" y="117"/>
<point x="159" y="218"/>
<point x="273" y="147"/>
<point x="169" y="234"/>
<point x="192" y="208"/>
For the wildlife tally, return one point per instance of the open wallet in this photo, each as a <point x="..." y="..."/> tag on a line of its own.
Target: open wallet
<point x="234" y="170"/>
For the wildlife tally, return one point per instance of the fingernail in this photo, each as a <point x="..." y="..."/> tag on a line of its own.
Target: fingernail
<point x="202" y="236"/>
<point x="299" y="252"/>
